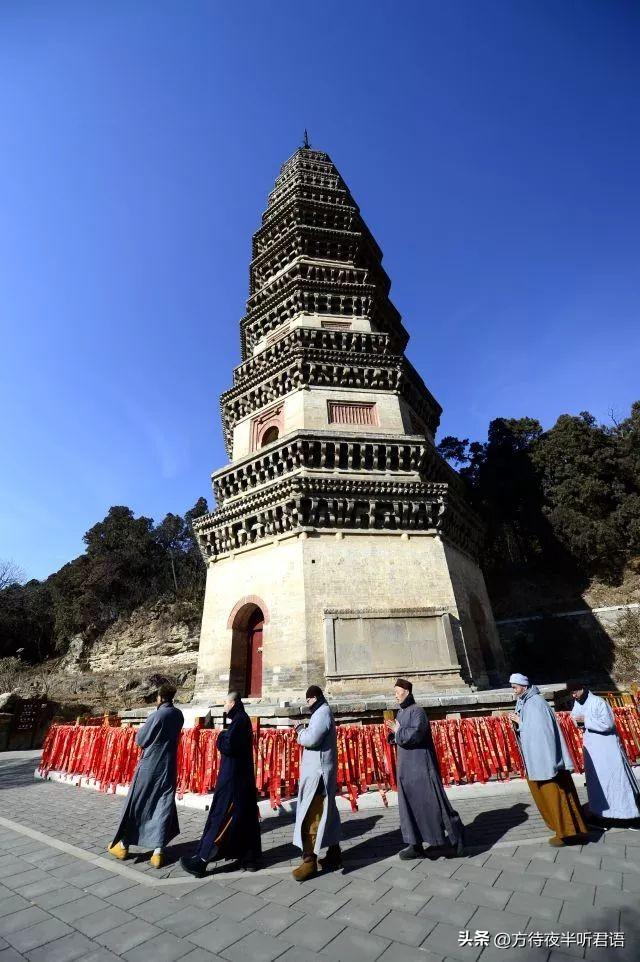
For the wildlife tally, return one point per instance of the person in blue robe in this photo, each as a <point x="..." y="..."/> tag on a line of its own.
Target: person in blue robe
<point x="548" y="764"/>
<point x="150" y="817"/>
<point x="317" y="818"/>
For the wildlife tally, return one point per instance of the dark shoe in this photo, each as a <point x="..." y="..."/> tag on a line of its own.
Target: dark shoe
<point x="194" y="866"/>
<point x="307" y="868"/>
<point x="252" y="865"/>
<point x="413" y="851"/>
<point x="332" y="860"/>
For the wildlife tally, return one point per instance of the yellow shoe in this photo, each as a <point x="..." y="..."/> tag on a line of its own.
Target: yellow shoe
<point x="118" y="851"/>
<point x="157" y="860"/>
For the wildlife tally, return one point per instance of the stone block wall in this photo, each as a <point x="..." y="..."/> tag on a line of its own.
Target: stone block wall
<point x="298" y="580"/>
<point x="481" y="640"/>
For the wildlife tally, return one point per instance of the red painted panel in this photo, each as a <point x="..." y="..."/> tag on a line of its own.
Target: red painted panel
<point x="254" y="655"/>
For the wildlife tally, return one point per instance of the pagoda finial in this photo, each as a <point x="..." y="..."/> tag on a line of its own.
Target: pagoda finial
<point x="305" y="142"/>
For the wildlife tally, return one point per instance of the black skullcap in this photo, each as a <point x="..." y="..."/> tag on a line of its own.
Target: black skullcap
<point x="313" y="691"/>
<point x="403" y="683"/>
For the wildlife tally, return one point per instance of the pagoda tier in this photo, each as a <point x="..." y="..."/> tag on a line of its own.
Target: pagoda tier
<point x="323" y="501"/>
<point x="320" y="357"/>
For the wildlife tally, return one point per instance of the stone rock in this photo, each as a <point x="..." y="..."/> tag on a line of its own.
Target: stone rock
<point x="9" y="700"/>
<point x="75" y="658"/>
<point x="152" y="636"/>
<point x="184" y="676"/>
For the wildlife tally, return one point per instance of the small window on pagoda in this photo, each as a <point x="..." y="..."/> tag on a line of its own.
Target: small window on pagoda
<point x="270" y="435"/>
<point x="267" y="427"/>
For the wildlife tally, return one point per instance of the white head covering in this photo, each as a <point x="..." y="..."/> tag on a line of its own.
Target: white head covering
<point x="518" y="679"/>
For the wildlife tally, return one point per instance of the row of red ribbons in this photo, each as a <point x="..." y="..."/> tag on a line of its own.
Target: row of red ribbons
<point x="468" y="750"/>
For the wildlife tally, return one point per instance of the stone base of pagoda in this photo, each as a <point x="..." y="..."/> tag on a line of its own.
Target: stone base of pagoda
<point x="350" y="611"/>
<point x="465" y="704"/>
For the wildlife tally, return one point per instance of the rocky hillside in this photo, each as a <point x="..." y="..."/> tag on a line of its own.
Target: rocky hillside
<point x="161" y="636"/>
<point x="119" y="669"/>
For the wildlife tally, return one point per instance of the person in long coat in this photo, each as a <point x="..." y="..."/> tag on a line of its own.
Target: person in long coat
<point x="317" y="818"/>
<point x="426" y="814"/>
<point x="150" y="817"/>
<point x="548" y="763"/>
<point x="612" y="789"/>
<point x="232" y="829"/>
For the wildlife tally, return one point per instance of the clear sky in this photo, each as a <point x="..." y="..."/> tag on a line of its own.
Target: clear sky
<point x="494" y="150"/>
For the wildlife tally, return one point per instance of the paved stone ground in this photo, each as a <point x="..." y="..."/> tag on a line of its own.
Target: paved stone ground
<point x="62" y="898"/>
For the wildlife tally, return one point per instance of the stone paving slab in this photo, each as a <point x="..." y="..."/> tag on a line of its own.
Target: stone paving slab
<point x="62" y="898"/>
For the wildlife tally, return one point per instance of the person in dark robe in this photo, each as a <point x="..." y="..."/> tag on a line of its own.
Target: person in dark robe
<point x="426" y="815"/>
<point x="150" y="817"/>
<point x="548" y="764"/>
<point x="232" y="829"/>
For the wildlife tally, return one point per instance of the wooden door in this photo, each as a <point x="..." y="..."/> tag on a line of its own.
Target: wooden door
<point x="254" y="655"/>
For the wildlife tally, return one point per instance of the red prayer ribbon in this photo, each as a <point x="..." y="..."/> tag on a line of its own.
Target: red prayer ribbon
<point x="468" y="750"/>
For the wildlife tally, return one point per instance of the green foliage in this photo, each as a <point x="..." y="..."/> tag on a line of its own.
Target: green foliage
<point x="566" y="500"/>
<point x="26" y="620"/>
<point x="128" y="561"/>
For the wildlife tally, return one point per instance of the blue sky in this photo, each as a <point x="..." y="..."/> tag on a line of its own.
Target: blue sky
<point x="493" y="147"/>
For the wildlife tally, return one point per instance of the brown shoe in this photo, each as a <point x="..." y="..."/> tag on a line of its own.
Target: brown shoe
<point x="556" y="841"/>
<point x="157" y="861"/>
<point x="307" y="868"/>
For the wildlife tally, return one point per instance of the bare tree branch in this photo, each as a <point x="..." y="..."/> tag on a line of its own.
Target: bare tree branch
<point x="10" y="574"/>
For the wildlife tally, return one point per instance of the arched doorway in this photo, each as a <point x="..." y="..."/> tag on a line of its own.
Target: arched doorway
<point x="245" y="675"/>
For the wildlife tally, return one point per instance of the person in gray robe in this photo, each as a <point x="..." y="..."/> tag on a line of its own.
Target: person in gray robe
<point x="426" y="815"/>
<point x="317" y="819"/>
<point x="150" y="817"/>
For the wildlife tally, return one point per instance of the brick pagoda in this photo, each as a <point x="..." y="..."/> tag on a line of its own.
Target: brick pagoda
<point x="342" y="551"/>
